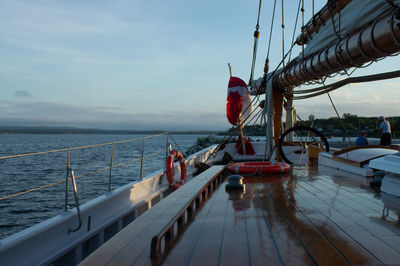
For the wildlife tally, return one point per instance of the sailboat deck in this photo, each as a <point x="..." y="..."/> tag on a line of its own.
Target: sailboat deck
<point x="305" y="218"/>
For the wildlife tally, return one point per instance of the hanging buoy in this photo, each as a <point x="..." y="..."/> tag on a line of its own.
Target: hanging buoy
<point x="170" y="166"/>
<point x="259" y="168"/>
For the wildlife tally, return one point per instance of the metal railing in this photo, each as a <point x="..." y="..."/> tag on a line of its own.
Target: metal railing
<point x="112" y="165"/>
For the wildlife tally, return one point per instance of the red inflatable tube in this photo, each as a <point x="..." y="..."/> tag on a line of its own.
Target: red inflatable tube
<point x="259" y="168"/>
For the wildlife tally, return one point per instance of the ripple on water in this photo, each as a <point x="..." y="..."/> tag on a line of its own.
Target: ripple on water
<point x="20" y="174"/>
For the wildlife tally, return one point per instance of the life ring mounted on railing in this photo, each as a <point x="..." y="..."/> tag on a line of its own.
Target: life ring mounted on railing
<point x="170" y="169"/>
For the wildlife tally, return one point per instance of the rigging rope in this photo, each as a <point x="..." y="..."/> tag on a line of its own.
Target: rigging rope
<point x="302" y="27"/>
<point x="332" y="4"/>
<point x="229" y="134"/>
<point x="295" y="27"/>
<point x="283" y="34"/>
<point x="336" y="85"/>
<point x="177" y="145"/>
<point x="271" y="29"/>
<point x="256" y="36"/>
<point x="313" y="8"/>
<point x="337" y="113"/>
<point x="390" y="2"/>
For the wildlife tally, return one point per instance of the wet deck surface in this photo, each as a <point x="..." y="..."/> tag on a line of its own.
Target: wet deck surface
<point x="307" y="218"/>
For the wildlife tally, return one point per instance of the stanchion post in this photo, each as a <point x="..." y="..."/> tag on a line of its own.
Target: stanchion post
<point x="167" y="148"/>
<point x="111" y="166"/>
<point x="66" y="180"/>
<point x="141" y="163"/>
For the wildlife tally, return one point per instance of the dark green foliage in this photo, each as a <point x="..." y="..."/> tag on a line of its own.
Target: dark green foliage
<point x="333" y="126"/>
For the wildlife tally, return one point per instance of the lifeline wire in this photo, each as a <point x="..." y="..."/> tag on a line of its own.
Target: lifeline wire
<point x="82" y="147"/>
<point x="87" y="174"/>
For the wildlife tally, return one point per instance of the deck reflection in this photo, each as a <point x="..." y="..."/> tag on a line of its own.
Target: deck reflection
<point x="305" y="218"/>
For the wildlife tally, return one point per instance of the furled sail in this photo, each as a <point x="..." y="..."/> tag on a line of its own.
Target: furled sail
<point x="353" y="16"/>
<point x="369" y="30"/>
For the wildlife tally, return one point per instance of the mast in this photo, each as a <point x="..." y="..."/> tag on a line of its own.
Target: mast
<point x="360" y="44"/>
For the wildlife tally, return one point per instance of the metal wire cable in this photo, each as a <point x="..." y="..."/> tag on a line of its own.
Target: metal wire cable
<point x="337" y="113"/>
<point x="270" y="31"/>
<point x="177" y="145"/>
<point x="256" y="36"/>
<point x="322" y="90"/>
<point x="283" y="34"/>
<point x="227" y="137"/>
<point x="80" y="176"/>
<point x="82" y="147"/>
<point x="302" y="26"/>
<point x="295" y="27"/>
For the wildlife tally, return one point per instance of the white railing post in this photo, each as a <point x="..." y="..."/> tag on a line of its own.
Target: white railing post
<point x="66" y="180"/>
<point x="141" y="163"/>
<point x="111" y="166"/>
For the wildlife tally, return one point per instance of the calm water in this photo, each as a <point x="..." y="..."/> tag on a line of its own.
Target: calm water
<point x="24" y="173"/>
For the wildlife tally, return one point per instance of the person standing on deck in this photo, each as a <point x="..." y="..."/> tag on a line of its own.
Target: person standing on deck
<point x="384" y="131"/>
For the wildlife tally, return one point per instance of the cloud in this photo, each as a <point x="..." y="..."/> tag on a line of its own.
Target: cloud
<point x="105" y="117"/>
<point x="22" y="94"/>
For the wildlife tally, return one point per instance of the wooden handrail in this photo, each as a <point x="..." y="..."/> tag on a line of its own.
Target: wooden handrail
<point x="189" y="210"/>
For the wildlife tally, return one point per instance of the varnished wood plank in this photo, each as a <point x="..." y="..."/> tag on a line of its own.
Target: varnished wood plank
<point x="368" y="201"/>
<point x="355" y="228"/>
<point x="321" y="250"/>
<point x="356" y="211"/>
<point x="362" y="212"/>
<point x="350" y="249"/>
<point x="235" y="248"/>
<point x="200" y="242"/>
<point x="309" y="219"/>
<point x="290" y="249"/>
<point x="262" y="242"/>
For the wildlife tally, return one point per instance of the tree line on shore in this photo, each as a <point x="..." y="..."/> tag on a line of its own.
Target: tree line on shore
<point x="336" y="127"/>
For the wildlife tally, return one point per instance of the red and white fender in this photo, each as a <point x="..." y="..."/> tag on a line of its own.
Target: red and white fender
<point x="238" y="106"/>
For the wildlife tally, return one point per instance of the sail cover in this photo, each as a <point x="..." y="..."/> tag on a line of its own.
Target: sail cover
<point x="238" y="106"/>
<point x="354" y="16"/>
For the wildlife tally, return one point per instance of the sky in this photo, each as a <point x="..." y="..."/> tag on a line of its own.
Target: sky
<point x="147" y="65"/>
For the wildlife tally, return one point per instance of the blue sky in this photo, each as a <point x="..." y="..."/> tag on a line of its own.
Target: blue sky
<point x="148" y="64"/>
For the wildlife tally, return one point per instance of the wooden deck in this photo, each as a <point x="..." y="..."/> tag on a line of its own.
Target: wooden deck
<point x="311" y="217"/>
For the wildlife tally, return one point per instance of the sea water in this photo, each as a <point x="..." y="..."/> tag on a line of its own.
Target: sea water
<point x="90" y="165"/>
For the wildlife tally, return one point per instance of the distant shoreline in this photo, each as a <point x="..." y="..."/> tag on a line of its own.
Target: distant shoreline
<point x="72" y="130"/>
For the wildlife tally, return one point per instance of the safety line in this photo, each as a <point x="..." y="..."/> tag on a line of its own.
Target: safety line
<point x="81" y="147"/>
<point x="87" y="174"/>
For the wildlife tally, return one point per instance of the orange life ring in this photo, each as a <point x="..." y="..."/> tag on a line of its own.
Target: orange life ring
<point x="170" y="166"/>
<point x="259" y="168"/>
